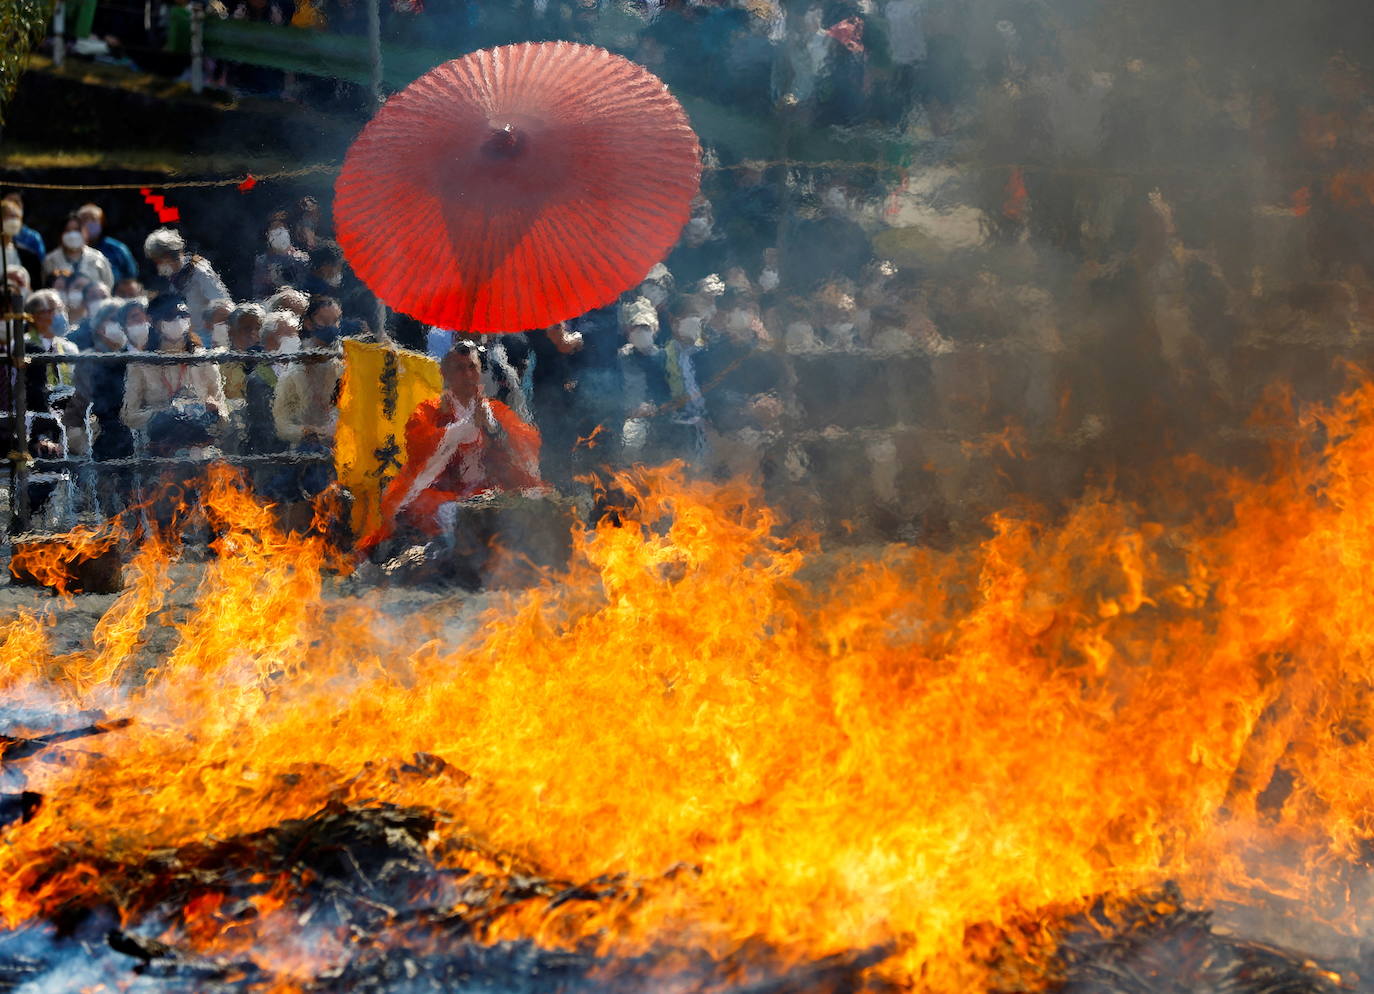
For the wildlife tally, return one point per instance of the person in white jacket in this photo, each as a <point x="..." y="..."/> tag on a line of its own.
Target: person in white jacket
<point x="75" y="258"/>
<point x="179" y="406"/>
<point x="190" y="276"/>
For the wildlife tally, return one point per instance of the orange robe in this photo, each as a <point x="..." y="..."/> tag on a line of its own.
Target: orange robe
<point x="480" y="466"/>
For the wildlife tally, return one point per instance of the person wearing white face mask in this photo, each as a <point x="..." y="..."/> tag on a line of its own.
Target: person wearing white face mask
<point x="93" y="226"/>
<point x="182" y="406"/>
<point x="100" y="389"/>
<point x="27" y="237"/>
<point x="326" y="270"/>
<point x="768" y="275"/>
<point x="45" y="306"/>
<point x="78" y="257"/>
<point x="644" y="381"/>
<point x="93" y="297"/>
<point x="133" y="317"/>
<point x="280" y="334"/>
<point x="657" y="287"/>
<point x="189" y="276"/>
<point x="17" y="282"/>
<point x="282" y="264"/>
<point x="215" y="319"/>
<point x="12" y="251"/>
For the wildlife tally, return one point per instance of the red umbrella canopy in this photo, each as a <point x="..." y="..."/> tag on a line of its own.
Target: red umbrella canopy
<point x="517" y="186"/>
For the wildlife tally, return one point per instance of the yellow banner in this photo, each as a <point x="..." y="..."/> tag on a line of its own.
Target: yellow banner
<point x="381" y="387"/>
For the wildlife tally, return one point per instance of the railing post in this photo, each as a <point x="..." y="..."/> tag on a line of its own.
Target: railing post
<point x="374" y="49"/>
<point x="197" y="46"/>
<point x="59" y="33"/>
<point x="374" y="54"/>
<point x="19" y="437"/>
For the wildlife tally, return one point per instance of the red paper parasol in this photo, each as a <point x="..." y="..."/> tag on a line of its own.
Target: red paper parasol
<point x="517" y="186"/>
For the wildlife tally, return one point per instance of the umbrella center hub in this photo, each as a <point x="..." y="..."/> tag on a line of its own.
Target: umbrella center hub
<point x="505" y="141"/>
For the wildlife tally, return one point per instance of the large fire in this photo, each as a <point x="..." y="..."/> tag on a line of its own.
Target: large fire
<point x="944" y="754"/>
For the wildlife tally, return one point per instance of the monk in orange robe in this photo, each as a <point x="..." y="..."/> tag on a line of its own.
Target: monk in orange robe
<point x="458" y="445"/>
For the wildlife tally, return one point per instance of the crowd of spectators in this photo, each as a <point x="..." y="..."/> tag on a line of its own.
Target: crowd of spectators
<point x="840" y="59"/>
<point x="682" y="366"/>
<point x="87" y="296"/>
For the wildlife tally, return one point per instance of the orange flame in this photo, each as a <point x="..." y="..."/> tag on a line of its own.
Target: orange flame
<point x="943" y="752"/>
<point x="52" y="562"/>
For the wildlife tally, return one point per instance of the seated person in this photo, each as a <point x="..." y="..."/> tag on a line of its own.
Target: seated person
<point x="458" y="445"/>
<point x="180" y="406"/>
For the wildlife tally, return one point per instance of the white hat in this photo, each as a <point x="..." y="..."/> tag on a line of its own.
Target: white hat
<point x="639" y="312"/>
<point x="163" y="242"/>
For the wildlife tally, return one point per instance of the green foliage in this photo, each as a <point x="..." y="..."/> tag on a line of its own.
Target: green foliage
<point x="22" y="24"/>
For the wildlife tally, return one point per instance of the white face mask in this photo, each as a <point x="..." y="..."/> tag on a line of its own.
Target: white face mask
<point x="138" y="334"/>
<point x="739" y="320"/>
<point x="288" y="345"/>
<point x="219" y="334"/>
<point x="688" y="330"/>
<point x="72" y="239"/>
<point x="166" y="268"/>
<point x="75" y="298"/>
<point x="768" y="280"/>
<point x="335" y="280"/>
<point x="642" y="339"/>
<point x="114" y="336"/>
<point x="653" y="293"/>
<point x="174" y="332"/>
<point x="279" y="239"/>
<point x="13" y="226"/>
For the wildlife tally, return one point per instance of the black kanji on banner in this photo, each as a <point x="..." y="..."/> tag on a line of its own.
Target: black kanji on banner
<point x="390" y="387"/>
<point x="388" y="461"/>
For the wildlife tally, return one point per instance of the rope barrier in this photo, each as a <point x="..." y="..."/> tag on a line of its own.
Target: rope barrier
<point x="153" y="462"/>
<point x="239" y="180"/>
<point x="180" y="358"/>
<point x="329" y="167"/>
<point x="248" y="180"/>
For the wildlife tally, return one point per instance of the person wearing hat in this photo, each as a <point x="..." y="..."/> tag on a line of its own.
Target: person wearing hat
<point x="189" y="276"/>
<point x="179" y="406"/>
<point x="644" y="379"/>
<point x="100" y="388"/>
<point x="45" y="307"/>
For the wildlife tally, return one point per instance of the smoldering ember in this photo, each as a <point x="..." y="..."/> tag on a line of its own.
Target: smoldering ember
<point x="686" y="496"/>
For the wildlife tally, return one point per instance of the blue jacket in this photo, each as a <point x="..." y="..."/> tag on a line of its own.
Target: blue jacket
<point x="121" y="259"/>
<point x="31" y="240"/>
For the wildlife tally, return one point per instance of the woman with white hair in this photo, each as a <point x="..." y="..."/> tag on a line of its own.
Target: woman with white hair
<point x="288" y="298"/>
<point x="245" y="335"/>
<point x="45" y="306"/>
<point x="17" y="282"/>
<point x="280" y="334"/>
<point x="190" y="276"/>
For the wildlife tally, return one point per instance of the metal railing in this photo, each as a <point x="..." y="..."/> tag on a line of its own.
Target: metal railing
<point x="23" y="465"/>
